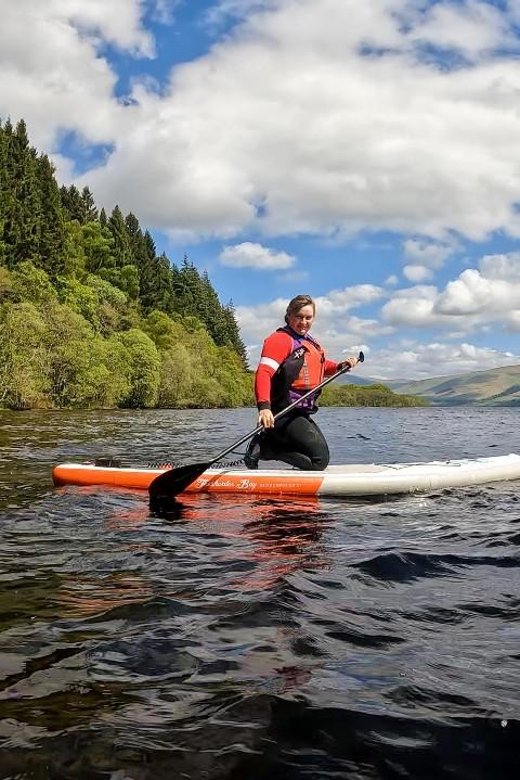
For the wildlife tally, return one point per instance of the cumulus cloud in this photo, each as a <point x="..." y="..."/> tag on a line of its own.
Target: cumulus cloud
<point x="423" y="258"/>
<point x="420" y="361"/>
<point x="412" y="307"/>
<point x="417" y="273"/>
<point x="512" y="321"/>
<point x="506" y="267"/>
<point x="323" y="143"/>
<point x="350" y="126"/>
<point x="473" y="293"/>
<point x="470" y="27"/>
<point x="117" y="22"/>
<point x="251" y="255"/>
<point x="52" y="73"/>
<point x="491" y="291"/>
<point x="477" y="298"/>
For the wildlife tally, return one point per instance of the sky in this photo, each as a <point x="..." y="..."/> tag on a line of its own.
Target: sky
<point x="365" y="152"/>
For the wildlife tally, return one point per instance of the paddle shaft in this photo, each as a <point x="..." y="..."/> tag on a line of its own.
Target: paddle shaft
<point x="277" y="416"/>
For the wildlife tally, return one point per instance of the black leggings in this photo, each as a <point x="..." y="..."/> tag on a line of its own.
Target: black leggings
<point x="297" y="440"/>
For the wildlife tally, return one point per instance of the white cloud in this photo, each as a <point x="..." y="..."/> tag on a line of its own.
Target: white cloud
<point x="477" y="298"/>
<point x="117" y="22"/>
<point x="222" y="10"/>
<point x="470" y="27"/>
<point x="420" y="361"/>
<point x="51" y="72"/>
<point x="424" y="257"/>
<point x="412" y="307"/>
<point x="505" y="267"/>
<point x="251" y="255"/>
<point x="473" y="293"/>
<point x="417" y="273"/>
<point x="490" y="292"/>
<point x="286" y="125"/>
<point x="337" y="302"/>
<point x="512" y="321"/>
<point x="324" y="141"/>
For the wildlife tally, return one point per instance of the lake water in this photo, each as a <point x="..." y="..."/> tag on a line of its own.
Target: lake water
<point x="257" y="638"/>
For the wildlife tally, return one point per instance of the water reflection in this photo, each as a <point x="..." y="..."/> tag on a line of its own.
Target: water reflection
<point x="276" y="536"/>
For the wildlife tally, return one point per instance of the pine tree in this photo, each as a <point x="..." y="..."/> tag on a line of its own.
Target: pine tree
<point x="51" y="234"/>
<point x="3" y="191"/>
<point x="22" y="220"/>
<point x="117" y="227"/>
<point x="210" y="311"/>
<point x="187" y="286"/>
<point x="71" y="204"/>
<point x="232" y="337"/>
<point x="90" y="212"/>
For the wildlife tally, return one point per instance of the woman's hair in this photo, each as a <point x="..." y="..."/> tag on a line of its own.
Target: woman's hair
<point x="298" y="303"/>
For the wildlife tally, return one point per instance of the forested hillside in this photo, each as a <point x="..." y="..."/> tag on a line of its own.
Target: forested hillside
<point x="90" y="316"/>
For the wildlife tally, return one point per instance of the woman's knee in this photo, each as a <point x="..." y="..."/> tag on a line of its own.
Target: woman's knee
<point x="320" y="461"/>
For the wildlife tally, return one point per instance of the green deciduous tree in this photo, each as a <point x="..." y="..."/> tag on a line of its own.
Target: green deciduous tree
<point x="143" y="369"/>
<point x="32" y="284"/>
<point x="24" y="362"/>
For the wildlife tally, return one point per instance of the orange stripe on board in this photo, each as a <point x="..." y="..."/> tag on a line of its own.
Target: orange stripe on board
<point x="290" y="483"/>
<point x="256" y="483"/>
<point x="139" y="479"/>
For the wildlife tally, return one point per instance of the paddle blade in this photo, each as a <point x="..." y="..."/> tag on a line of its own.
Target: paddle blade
<point x="165" y="487"/>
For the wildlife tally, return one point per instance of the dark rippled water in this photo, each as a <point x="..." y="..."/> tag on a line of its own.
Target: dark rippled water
<point x="252" y="638"/>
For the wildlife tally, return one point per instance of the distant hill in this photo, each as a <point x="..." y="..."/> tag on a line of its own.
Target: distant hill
<point x="352" y="378"/>
<point x="495" y="387"/>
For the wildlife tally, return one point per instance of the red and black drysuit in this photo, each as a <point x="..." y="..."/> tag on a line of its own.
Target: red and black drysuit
<point x="290" y="366"/>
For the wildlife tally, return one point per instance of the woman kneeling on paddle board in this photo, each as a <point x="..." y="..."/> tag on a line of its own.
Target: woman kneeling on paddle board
<point x="291" y="364"/>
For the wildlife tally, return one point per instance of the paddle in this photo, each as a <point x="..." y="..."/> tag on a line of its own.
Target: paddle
<point x="167" y="485"/>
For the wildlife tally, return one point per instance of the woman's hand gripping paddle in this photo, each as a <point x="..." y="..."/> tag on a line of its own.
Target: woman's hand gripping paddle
<point x="166" y="486"/>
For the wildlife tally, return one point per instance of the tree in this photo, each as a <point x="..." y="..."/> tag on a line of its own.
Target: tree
<point x="32" y="284"/>
<point x="98" y="247"/>
<point x="90" y="212"/>
<point x="117" y="227"/>
<point x="85" y="370"/>
<point x="232" y="333"/>
<point x="51" y="238"/>
<point x="21" y="202"/>
<point x="24" y="365"/>
<point x="72" y="204"/>
<point x="143" y="369"/>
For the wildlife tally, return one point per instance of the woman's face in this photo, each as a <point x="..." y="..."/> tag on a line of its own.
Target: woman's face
<point x="301" y="321"/>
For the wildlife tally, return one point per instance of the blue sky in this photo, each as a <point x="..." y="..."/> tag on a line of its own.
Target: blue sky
<point x="363" y="152"/>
